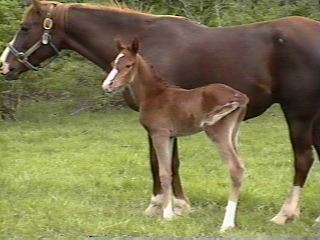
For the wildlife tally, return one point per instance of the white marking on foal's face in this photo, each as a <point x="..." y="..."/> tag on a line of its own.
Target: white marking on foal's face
<point x="112" y="75"/>
<point x="5" y="68"/>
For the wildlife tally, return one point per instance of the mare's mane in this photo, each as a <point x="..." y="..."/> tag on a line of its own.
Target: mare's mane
<point x="113" y="7"/>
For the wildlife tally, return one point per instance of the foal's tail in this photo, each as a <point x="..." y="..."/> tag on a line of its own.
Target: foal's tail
<point x="241" y="98"/>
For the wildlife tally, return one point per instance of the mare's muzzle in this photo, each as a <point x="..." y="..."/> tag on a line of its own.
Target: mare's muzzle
<point x="23" y="57"/>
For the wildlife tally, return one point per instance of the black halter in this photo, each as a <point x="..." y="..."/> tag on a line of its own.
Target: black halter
<point x="46" y="39"/>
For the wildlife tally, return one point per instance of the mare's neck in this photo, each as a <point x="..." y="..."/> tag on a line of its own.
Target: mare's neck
<point x="91" y="31"/>
<point x="146" y="84"/>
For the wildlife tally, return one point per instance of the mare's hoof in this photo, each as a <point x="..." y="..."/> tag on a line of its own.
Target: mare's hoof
<point x="282" y="217"/>
<point x="279" y="220"/>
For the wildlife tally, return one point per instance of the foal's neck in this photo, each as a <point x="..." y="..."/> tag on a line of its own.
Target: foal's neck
<point x="91" y="30"/>
<point x="148" y="83"/>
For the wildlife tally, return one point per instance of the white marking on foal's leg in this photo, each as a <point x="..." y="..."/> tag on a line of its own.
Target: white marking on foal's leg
<point x="236" y="169"/>
<point x="229" y="217"/>
<point x="154" y="206"/>
<point x="290" y="209"/>
<point x="318" y="220"/>
<point x="168" y="213"/>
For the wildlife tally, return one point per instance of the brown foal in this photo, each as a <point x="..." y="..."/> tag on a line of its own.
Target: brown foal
<point x="168" y="111"/>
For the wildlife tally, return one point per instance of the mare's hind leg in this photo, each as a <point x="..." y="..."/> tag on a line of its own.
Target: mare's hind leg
<point x="316" y="142"/>
<point x="181" y="202"/>
<point x="224" y="134"/>
<point x="300" y="127"/>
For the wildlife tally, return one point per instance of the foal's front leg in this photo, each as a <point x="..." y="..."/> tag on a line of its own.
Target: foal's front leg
<point x="181" y="202"/>
<point x="163" y="146"/>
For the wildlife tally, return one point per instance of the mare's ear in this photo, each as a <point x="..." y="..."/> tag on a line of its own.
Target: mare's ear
<point x="119" y="44"/>
<point x="37" y="5"/>
<point x="135" y="45"/>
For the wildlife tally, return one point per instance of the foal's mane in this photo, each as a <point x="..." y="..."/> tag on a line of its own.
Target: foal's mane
<point x="156" y="75"/>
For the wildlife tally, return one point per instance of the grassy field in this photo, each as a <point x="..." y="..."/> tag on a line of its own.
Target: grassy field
<point x="68" y="177"/>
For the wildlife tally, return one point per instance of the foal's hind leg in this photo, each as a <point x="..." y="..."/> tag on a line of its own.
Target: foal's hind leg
<point x="224" y="134"/>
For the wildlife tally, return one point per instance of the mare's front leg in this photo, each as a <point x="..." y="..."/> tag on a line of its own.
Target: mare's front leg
<point x="181" y="202"/>
<point x="300" y="127"/>
<point x="224" y="133"/>
<point x="162" y="144"/>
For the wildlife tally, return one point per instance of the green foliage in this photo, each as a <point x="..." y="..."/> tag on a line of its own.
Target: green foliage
<point x="78" y="81"/>
<point x="10" y="15"/>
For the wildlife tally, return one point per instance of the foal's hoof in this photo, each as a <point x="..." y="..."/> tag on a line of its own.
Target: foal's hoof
<point x="182" y="210"/>
<point x="152" y="210"/>
<point x="168" y="216"/>
<point x="223" y="229"/>
<point x="182" y="207"/>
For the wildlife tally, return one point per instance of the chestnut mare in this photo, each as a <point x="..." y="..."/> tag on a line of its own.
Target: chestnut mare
<point x="167" y="112"/>
<point x="271" y="62"/>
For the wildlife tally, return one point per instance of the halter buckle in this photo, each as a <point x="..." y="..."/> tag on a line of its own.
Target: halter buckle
<point x="45" y="38"/>
<point x="47" y="23"/>
<point x="21" y="56"/>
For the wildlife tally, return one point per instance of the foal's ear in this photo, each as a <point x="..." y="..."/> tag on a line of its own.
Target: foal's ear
<point x="119" y="44"/>
<point x="135" y="45"/>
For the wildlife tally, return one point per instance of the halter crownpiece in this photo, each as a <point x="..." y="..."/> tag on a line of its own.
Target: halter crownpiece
<point x="46" y="39"/>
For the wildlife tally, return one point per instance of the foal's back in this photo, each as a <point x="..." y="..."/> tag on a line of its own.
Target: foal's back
<point x="185" y="112"/>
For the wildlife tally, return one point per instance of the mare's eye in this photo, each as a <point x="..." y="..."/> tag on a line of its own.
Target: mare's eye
<point x="24" y="29"/>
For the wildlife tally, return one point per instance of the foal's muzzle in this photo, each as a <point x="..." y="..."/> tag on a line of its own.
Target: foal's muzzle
<point x="109" y="89"/>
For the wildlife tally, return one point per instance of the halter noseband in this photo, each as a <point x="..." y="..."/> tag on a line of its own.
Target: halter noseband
<point x="46" y="39"/>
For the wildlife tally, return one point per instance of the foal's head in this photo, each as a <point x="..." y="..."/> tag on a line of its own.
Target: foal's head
<point x="123" y="67"/>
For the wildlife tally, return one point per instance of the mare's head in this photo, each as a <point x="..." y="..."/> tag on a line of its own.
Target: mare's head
<point x="38" y="39"/>
<point x="123" y="67"/>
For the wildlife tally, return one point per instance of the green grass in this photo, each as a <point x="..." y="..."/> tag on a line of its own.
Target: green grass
<point x="68" y="177"/>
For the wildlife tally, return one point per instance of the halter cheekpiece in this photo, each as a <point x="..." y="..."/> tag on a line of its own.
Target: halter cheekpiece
<point x="46" y="39"/>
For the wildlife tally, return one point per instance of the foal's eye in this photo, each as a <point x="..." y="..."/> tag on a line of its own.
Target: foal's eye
<point x="128" y="66"/>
